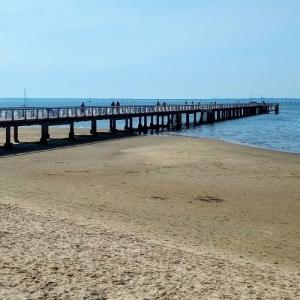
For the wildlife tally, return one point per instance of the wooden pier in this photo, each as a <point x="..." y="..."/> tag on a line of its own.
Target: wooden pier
<point x="151" y="118"/>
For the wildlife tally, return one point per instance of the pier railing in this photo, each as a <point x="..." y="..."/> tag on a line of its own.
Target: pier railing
<point x="44" y="113"/>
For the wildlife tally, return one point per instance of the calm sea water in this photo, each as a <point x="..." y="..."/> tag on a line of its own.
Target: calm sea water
<point x="278" y="132"/>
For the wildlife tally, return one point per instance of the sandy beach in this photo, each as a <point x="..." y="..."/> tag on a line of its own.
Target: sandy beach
<point x="151" y="217"/>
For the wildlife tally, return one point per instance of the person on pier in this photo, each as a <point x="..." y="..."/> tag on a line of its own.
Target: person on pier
<point x="118" y="106"/>
<point x="82" y="107"/>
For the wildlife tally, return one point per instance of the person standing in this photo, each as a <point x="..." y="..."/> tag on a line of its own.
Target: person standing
<point x="82" y="107"/>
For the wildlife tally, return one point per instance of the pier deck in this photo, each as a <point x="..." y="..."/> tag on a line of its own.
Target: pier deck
<point x="149" y="117"/>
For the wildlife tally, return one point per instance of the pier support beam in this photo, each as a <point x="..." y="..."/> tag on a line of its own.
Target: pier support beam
<point x="71" y="133"/>
<point x="187" y="120"/>
<point x="93" y="130"/>
<point x="44" y="133"/>
<point x="8" y="144"/>
<point x="126" y="124"/>
<point x="16" y="134"/>
<point x="172" y="121"/>
<point x="140" y="125"/>
<point x="210" y="116"/>
<point x="178" y="119"/>
<point x="112" y="125"/>
<point x="201" y="117"/>
<point x="151" y="124"/>
<point x="145" y="125"/>
<point x="157" y="123"/>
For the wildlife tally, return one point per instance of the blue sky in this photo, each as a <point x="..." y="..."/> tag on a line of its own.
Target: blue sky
<point x="150" y="48"/>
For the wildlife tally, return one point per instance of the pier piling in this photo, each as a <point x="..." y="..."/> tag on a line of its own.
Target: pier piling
<point x="44" y="133"/>
<point x="16" y="134"/>
<point x="8" y="143"/>
<point x="71" y="133"/>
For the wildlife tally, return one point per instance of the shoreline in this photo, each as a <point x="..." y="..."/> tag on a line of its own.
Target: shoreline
<point x="235" y="143"/>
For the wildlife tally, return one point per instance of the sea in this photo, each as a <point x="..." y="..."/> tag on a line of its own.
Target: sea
<point x="276" y="132"/>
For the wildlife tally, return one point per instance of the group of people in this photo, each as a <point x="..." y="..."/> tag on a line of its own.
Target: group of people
<point x="115" y="104"/>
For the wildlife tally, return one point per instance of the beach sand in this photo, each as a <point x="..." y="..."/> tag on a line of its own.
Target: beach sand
<point x="151" y="217"/>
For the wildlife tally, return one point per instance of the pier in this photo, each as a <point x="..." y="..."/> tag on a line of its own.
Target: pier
<point x="150" y="118"/>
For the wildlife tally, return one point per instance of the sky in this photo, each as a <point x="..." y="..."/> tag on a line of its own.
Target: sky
<point x="150" y="48"/>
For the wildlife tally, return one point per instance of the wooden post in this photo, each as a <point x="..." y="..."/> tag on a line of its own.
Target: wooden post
<point x="16" y="134"/>
<point x="151" y="123"/>
<point x="201" y="117"/>
<point x="169" y="123"/>
<point x="93" y="130"/>
<point x="145" y="125"/>
<point x="71" y="133"/>
<point x="140" y="125"/>
<point x="126" y="124"/>
<point x="187" y="120"/>
<point x="110" y="125"/>
<point x="130" y="123"/>
<point x="208" y="116"/>
<point x="172" y="121"/>
<point x="157" y="123"/>
<point x="44" y="133"/>
<point x="8" y="144"/>
<point x="114" y="124"/>
<point x="195" y="118"/>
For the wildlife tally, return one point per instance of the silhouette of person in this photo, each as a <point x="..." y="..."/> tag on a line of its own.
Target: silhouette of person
<point x="118" y="106"/>
<point x="113" y="103"/>
<point x="82" y="107"/>
<point x="164" y="103"/>
<point x="157" y="103"/>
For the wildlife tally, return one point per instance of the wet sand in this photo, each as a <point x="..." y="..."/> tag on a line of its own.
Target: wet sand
<point x="149" y="217"/>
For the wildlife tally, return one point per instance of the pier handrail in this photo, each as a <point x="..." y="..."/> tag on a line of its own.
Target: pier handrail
<point x="72" y="112"/>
